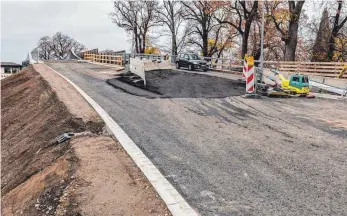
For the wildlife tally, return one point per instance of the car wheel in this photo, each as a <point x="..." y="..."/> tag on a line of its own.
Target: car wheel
<point x="205" y="70"/>
<point x="177" y="65"/>
<point x="190" y="67"/>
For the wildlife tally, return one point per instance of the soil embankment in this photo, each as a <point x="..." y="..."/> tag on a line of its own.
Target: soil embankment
<point x="87" y="175"/>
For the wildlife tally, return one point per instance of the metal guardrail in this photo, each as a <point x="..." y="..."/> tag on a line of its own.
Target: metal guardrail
<point x="329" y="88"/>
<point x="151" y="56"/>
<point x="220" y="64"/>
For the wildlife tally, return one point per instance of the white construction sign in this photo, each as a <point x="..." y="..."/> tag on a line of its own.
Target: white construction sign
<point x="139" y="66"/>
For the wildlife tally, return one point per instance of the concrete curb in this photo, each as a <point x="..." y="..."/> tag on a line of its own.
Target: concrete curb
<point x="174" y="201"/>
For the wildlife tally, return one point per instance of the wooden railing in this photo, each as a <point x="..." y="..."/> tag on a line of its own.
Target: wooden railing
<point x="93" y="51"/>
<point x="326" y="69"/>
<point x="103" y="58"/>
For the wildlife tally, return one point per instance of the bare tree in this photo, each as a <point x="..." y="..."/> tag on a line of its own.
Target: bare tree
<point x="170" y="16"/>
<point x="289" y="26"/>
<point x="62" y="44"/>
<point x="240" y="16"/>
<point x="321" y="44"/>
<point x="58" y="46"/>
<point x="200" y="14"/>
<point x="45" y="48"/>
<point x="337" y="26"/>
<point x="137" y="18"/>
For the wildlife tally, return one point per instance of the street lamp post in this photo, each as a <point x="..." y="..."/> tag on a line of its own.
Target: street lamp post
<point x="262" y="44"/>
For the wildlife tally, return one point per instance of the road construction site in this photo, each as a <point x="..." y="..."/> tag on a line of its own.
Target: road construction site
<point x="226" y="154"/>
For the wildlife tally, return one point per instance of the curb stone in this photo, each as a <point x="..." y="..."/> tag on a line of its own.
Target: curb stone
<point x="173" y="200"/>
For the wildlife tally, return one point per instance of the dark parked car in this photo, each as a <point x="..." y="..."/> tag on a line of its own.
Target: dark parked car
<point x="191" y="61"/>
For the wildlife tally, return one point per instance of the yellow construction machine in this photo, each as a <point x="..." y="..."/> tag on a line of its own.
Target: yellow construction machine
<point x="297" y="84"/>
<point x="344" y="69"/>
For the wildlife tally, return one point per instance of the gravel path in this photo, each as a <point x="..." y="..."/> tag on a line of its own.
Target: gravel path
<point x="179" y="84"/>
<point x="236" y="156"/>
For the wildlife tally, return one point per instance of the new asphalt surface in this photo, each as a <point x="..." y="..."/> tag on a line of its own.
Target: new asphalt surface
<point x="236" y="156"/>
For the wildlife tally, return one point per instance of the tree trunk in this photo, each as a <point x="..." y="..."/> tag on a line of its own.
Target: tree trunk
<point x="321" y="46"/>
<point x="334" y="33"/>
<point x="174" y="44"/>
<point x="245" y="36"/>
<point x="204" y="42"/>
<point x="143" y="43"/>
<point x="135" y="38"/>
<point x="139" y="44"/>
<point x="172" y="28"/>
<point x="332" y="45"/>
<point x="291" y="41"/>
<point x="219" y="54"/>
<point x="291" y="36"/>
<point x="245" y="33"/>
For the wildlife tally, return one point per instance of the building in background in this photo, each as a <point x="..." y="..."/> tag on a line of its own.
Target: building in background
<point x="9" y="68"/>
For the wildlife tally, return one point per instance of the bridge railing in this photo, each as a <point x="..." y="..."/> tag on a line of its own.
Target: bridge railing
<point x="326" y="69"/>
<point x="232" y="65"/>
<point x="103" y="58"/>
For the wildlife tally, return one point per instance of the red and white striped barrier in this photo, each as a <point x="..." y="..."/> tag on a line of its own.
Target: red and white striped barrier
<point x="250" y="79"/>
<point x="245" y="67"/>
<point x="248" y="72"/>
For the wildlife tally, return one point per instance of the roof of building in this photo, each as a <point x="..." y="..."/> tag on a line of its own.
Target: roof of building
<point x="10" y="64"/>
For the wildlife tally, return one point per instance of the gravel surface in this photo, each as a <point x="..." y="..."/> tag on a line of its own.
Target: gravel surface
<point x="236" y="156"/>
<point x="130" y="89"/>
<point x="179" y="84"/>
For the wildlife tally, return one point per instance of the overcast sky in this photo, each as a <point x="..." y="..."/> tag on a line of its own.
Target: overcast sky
<point x="24" y="22"/>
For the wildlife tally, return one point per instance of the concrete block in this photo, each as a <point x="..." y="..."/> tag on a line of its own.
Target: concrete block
<point x="266" y="74"/>
<point x="316" y="78"/>
<point x="338" y="83"/>
<point x="153" y="65"/>
<point x="137" y="67"/>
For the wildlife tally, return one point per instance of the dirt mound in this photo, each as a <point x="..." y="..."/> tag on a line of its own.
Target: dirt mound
<point x="32" y="167"/>
<point x="90" y="174"/>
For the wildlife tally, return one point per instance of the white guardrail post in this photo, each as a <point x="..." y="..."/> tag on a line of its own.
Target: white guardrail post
<point x="137" y="67"/>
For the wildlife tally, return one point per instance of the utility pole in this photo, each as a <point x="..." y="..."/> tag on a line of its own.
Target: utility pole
<point x="262" y="43"/>
<point x="133" y="38"/>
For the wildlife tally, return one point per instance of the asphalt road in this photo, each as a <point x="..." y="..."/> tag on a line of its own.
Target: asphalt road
<point x="236" y="156"/>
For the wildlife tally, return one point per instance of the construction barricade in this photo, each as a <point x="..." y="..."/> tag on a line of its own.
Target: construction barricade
<point x="248" y="74"/>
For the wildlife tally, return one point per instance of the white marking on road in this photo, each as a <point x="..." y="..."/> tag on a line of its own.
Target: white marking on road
<point x="174" y="201"/>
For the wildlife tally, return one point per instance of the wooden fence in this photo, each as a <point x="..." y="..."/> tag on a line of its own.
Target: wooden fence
<point x="93" y="51"/>
<point x="103" y="58"/>
<point x="326" y="69"/>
